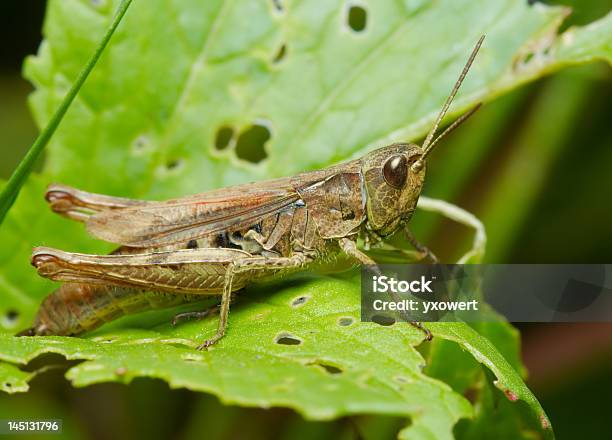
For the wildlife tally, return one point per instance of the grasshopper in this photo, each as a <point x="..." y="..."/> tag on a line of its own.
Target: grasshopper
<point x="218" y="242"/>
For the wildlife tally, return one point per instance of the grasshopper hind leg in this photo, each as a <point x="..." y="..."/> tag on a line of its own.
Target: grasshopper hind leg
<point x="80" y="205"/>
<point x="203" y="271"/>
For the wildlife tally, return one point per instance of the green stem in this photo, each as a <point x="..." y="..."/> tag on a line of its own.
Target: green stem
<point x="11" y="190"/>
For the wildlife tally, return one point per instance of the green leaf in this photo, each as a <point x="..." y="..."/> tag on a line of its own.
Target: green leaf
<point x="13" y="379"/>
<point x="323" y="368"/>
<point x="508" y="381"/>
<point x="194" y="75"/>
<point x="254" y="367"/>
<point x="588" y="43"/>
<point x="147" y="124"/>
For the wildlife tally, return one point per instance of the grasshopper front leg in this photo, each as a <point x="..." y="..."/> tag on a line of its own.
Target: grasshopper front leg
<point x="350" y="248"/>
<point x="421" y="248"/>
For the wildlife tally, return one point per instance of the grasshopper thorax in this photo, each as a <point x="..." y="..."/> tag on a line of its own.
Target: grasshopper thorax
<point x="393" y="180"/>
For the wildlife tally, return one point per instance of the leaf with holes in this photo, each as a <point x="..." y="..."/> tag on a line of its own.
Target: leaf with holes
<point x="302" y="347"/>
<point x="182" y="102"/>
<point x="13" y="380"/>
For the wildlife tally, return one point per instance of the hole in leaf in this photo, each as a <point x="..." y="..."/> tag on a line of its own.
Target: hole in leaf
<point x="280" y="54"/>
<point x="8" y="384"/>
<point x="357" y="18"/>
<point x="278" y="5"/>
<point x="300" y="300"/>
<point x="250" y="145"/>
<point x="383" y="320"/>
<point x="12" y="315"/>
<point x="10" y="319"/>
<point x="140" y="143"/>
<point x="331" y="369"/>
<point x="174" y="164"/>
<point x="50" y="362"/>
<point x="528" y="57"/>
<point x="345" y="322"/>
<point x="287" y="339"/>
<point x="224" y="137"/>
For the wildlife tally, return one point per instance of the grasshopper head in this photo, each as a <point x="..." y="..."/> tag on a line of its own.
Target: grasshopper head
<point x="393" y="180"/>
<point x="394" y="175"/>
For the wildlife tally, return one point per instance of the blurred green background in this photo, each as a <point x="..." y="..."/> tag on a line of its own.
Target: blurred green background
<point x="535" y="165"/>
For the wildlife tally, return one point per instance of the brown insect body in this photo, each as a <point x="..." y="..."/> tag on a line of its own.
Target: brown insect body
<point x="332" y="204"/>
<point x="217" y="242"/>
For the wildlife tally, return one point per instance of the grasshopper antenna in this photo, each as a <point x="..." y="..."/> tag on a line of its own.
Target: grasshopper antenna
<point x="428" y="144"/>
<point x="456" y="123"/>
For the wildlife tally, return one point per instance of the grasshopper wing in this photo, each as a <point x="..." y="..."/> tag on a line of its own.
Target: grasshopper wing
<point x="192" y="217"/>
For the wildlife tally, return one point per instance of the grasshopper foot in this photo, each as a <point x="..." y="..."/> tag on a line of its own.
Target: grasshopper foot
<point x="428" y="335"/>
<point x="429" y="256"/>
<point x="209" y="342"/>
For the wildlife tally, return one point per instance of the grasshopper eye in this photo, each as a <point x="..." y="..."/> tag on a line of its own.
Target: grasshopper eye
<point x="395" y="171"/>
